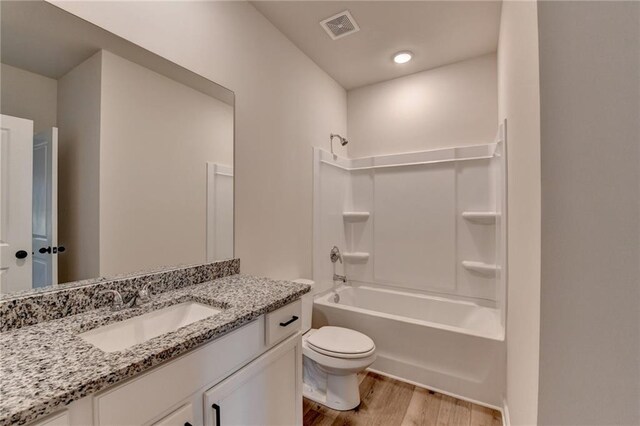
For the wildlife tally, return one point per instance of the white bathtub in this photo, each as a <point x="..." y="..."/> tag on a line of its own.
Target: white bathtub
<point x="455" y="347"/>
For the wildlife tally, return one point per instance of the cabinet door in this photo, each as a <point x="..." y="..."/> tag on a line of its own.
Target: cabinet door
<point x="60" y="419"/>
<point x="268" y="391"/>
<point x="183" y="416"/>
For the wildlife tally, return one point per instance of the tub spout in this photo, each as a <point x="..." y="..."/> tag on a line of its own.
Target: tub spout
<point x="341" y="278"/>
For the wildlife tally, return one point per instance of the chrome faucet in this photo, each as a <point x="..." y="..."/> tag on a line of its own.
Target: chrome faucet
<point x="140" y="298"/>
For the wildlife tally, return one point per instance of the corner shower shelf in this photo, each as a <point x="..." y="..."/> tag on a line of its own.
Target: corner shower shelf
<point x="484" y="218"/>
<point x="480" y="267"/>
<point x="355" y="216"/>
<point x="355" y="257"/>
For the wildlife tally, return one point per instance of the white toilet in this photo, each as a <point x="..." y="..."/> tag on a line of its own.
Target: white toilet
<point x="333" y="357"/>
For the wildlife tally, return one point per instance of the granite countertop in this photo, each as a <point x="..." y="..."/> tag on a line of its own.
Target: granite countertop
<point x="46" y="366"/>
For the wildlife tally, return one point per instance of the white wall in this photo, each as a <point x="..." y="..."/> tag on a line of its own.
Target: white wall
<point x="28" y="95"/>
<point x="78" y="170"/>
<point x="519" y="103"/>
<point x="155" y="140"/>
<point x="590" y="300"/>
<point x="454" y="105"/>
<point x="284" y="105"/>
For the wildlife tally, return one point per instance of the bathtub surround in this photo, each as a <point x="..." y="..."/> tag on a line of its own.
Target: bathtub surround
<point x="51" y="303"/>
<point x="427" y="221"/>
<point x="34" y="385"/>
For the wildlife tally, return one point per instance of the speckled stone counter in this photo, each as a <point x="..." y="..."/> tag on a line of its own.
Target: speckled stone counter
<point x="46" y="366"/>
<point x="50" y="303"/>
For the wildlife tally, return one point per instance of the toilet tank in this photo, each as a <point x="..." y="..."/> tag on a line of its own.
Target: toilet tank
<point x="307" y="304"/>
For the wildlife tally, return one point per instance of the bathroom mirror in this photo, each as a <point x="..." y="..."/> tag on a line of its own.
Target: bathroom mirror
<point x="113" y="160"/>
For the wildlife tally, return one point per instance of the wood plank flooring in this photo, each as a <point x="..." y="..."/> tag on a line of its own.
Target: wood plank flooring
<point x="388" y="402"/>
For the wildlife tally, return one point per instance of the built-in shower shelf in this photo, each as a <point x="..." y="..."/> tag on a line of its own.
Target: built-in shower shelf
<point x="484" y="218"/>
<point x="480" y="267"/>
<point x="355" y="216"/>
<point x="355" y="257"/>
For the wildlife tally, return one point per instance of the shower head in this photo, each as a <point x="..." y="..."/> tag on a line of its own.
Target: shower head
<point x="343" y="141"/>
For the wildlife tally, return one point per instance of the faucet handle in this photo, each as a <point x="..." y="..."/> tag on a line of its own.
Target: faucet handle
<point x="144" y="294"/>
<point x="118" y="304"/>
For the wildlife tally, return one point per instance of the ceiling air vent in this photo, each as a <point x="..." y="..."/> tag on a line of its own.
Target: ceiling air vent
<point x="340" y="25"/>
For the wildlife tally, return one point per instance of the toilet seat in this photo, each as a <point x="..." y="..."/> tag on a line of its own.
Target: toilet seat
<point x="334" y="363"/>
<point x="339" y="342"/>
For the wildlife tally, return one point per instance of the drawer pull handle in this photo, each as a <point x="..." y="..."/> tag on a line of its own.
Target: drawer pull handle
<point x="216" y="407"/>
<point x="293" y="319"/>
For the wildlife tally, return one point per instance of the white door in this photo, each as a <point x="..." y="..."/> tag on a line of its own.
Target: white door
<point x="266" y="392"/>
<point x="16" y="164"/>
<point x="45" y="208"/>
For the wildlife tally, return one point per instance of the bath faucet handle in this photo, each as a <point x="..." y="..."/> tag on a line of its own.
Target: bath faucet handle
<point x="118" y="303"/>
<point x="335" y="255"/>
<point x="144" y="295"/>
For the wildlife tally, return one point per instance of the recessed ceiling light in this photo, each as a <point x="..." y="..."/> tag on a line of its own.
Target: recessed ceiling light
<point x="402" y="57"/>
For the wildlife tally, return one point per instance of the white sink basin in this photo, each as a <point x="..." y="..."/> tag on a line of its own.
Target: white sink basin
<point x="124" y="334"/>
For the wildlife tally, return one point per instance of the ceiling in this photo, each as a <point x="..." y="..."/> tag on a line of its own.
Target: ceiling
<point x="437" y="32"/>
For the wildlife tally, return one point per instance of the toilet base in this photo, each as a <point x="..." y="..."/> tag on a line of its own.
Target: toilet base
<point x="338" y="392"/>
<point x="342" y="393"/>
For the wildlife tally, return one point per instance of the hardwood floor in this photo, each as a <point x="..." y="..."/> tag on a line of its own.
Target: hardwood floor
<point x="388" y="402"/>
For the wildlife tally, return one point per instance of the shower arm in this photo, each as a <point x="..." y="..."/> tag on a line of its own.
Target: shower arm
<point x="343" y="141"/>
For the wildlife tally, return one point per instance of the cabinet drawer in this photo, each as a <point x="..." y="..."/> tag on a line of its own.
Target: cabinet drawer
<point x="283" y="323"/>
<point x="183" y="416"/>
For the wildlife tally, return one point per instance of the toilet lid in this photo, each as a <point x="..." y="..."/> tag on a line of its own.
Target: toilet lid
<point x="340" y="340"/>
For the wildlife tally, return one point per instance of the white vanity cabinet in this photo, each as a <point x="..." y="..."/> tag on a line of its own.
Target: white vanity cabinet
<point x="265" y="392"/>
<point x="252" y="382"/>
